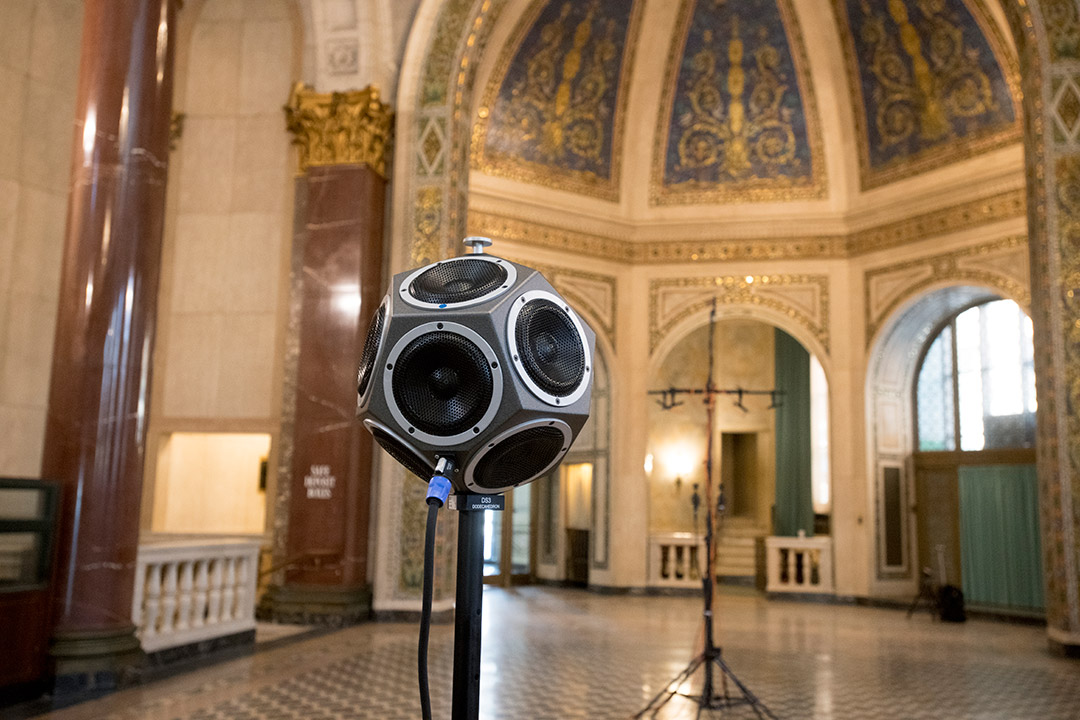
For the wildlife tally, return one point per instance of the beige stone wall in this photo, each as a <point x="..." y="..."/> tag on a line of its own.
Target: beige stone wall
<point x="224" y="291"/>
<point x="39" y="58"/>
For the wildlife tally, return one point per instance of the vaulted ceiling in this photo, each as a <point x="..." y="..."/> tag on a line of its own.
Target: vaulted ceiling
<point x="690" y="111"/>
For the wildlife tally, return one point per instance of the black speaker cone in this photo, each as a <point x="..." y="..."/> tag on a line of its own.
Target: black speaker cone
<point x="442" y="383"/>
<point x="395" y="449"/>
<point x="550" y="347"/>
<point x="458" y="281"/>
<point x="371" y="349"/>
<point x="519" y="458"/>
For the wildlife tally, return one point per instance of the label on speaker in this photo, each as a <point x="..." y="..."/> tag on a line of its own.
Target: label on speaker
<point x="469" y="501"/>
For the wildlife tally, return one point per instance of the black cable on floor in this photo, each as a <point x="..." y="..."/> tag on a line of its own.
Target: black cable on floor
<point x="425" y="610"/>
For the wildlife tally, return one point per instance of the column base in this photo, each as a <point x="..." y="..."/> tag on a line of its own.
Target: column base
<point x="88" y="663"/>
<point x="315" y="605"/>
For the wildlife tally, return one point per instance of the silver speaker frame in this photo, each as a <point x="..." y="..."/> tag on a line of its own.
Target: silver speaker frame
<point x="519" y="366"/>
<point x="371" y="425"/>
<point x="511" y="278"/>
<point x="470" y="465"/>
<point x="496" y="380"/>
<point x="362" y="400"/>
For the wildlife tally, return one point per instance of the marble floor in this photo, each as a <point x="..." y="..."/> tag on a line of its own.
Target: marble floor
<point x="560" y="654"/>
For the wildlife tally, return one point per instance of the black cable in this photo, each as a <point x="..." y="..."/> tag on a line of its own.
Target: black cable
<point x="425" y="610"/>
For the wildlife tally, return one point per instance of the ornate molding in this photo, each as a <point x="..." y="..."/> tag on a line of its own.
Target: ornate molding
<point x="350" y="128"/>
<point x="1003" y="206"/>
<point x="965" y="216"/>
<point x="803" y="298"/>
<point x="547" y="236"/>
<point x="995" y="265"/>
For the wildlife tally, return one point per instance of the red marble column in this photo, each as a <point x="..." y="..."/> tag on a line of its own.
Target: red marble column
<point x="327" y="538"/>
<point x="325" y="483"/>
<point x="98" y="397"/>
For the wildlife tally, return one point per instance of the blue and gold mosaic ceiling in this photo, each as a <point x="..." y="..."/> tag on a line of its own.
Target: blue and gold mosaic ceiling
<point x="556" y="117"/>
<point x="738" y="117"/>
<point x="929" y="83"/>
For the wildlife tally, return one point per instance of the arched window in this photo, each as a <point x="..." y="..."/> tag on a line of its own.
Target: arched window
<point x="977" y="382"/>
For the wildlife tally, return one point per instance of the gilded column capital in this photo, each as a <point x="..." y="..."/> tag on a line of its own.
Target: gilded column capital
<point x="341" y="128"/>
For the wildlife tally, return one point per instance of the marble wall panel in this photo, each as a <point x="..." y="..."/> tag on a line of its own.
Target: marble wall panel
<point x="253" y="165"/>
<point x="15" y="48"/>
<point x="264" y="66"/>
<point x="53" y="38"/>
<point x="246" y="366"/>
<point x="252" y="263"/>
<point x="38" y="72"/>
<point x="214" y="66"/>
<point x="191" y="361"/>
<point x="206" y="163"/>
<point x="198" y="263"/>
<point x="13" y="84"/>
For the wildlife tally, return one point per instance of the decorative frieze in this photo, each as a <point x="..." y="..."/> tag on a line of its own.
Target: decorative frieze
<point x="1001" y="265"/>
<point x="964" y="216"/>
<point x="802" y="298"/>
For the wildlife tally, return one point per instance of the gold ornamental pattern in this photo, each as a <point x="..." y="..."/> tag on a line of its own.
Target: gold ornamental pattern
<point x="554" y="109"/>
<point x="738" y="118"/>
<point x="350" y="128"/>
<point x="933" y="82"/>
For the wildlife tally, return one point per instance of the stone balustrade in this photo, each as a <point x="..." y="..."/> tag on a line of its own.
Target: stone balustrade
<point x="676" y="560"/>
<point x="799" y="565"/>
<point x="190" y="589"/>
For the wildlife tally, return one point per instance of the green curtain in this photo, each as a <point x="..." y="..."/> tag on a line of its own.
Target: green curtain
<point x="1000" y="549"/>
<point x="794" y="502"/>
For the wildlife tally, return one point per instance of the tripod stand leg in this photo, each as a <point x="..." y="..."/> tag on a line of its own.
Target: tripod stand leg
<point x="656" y="704"/>
<point x="469" y="603"/>
<point x="751" y="699"/>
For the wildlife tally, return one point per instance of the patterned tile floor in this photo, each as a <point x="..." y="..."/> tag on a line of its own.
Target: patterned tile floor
<point x="564" y="654"/>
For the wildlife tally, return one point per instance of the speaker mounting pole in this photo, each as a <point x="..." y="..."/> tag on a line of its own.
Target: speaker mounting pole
<point x="476" y="244"/>
<point x="469" y="600"/>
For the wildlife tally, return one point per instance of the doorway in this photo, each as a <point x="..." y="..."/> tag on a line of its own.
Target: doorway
<point x="508" y="540"/>
<point x="579" y="486"/>
<point x="739" y="472"/>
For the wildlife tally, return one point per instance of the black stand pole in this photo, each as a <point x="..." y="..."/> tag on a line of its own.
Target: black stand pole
<point x="467" y="614"/>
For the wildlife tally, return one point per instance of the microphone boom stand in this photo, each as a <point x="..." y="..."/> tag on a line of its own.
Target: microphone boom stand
<point x="710" y="654"/>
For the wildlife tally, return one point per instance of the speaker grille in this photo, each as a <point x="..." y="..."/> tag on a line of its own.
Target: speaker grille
<point x="518" y="458"/>
<point x="550" y="347"/>
<point x="457" y="281"/>
<point x="371" y="348"/>
<point x="442" y="383"/>
<point x="399" y="452"/>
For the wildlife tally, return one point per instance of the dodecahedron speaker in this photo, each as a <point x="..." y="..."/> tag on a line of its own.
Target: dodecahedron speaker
<point x="479" y="360"/>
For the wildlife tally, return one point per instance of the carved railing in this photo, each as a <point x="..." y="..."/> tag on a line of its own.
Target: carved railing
<point x="676" y="560"/>
<point x="188" y="590"/>
<point x="799" y="565"/>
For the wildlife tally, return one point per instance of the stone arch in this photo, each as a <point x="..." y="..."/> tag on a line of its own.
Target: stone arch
<point x="699" y="316"/>
<point x="893" y="364"/>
